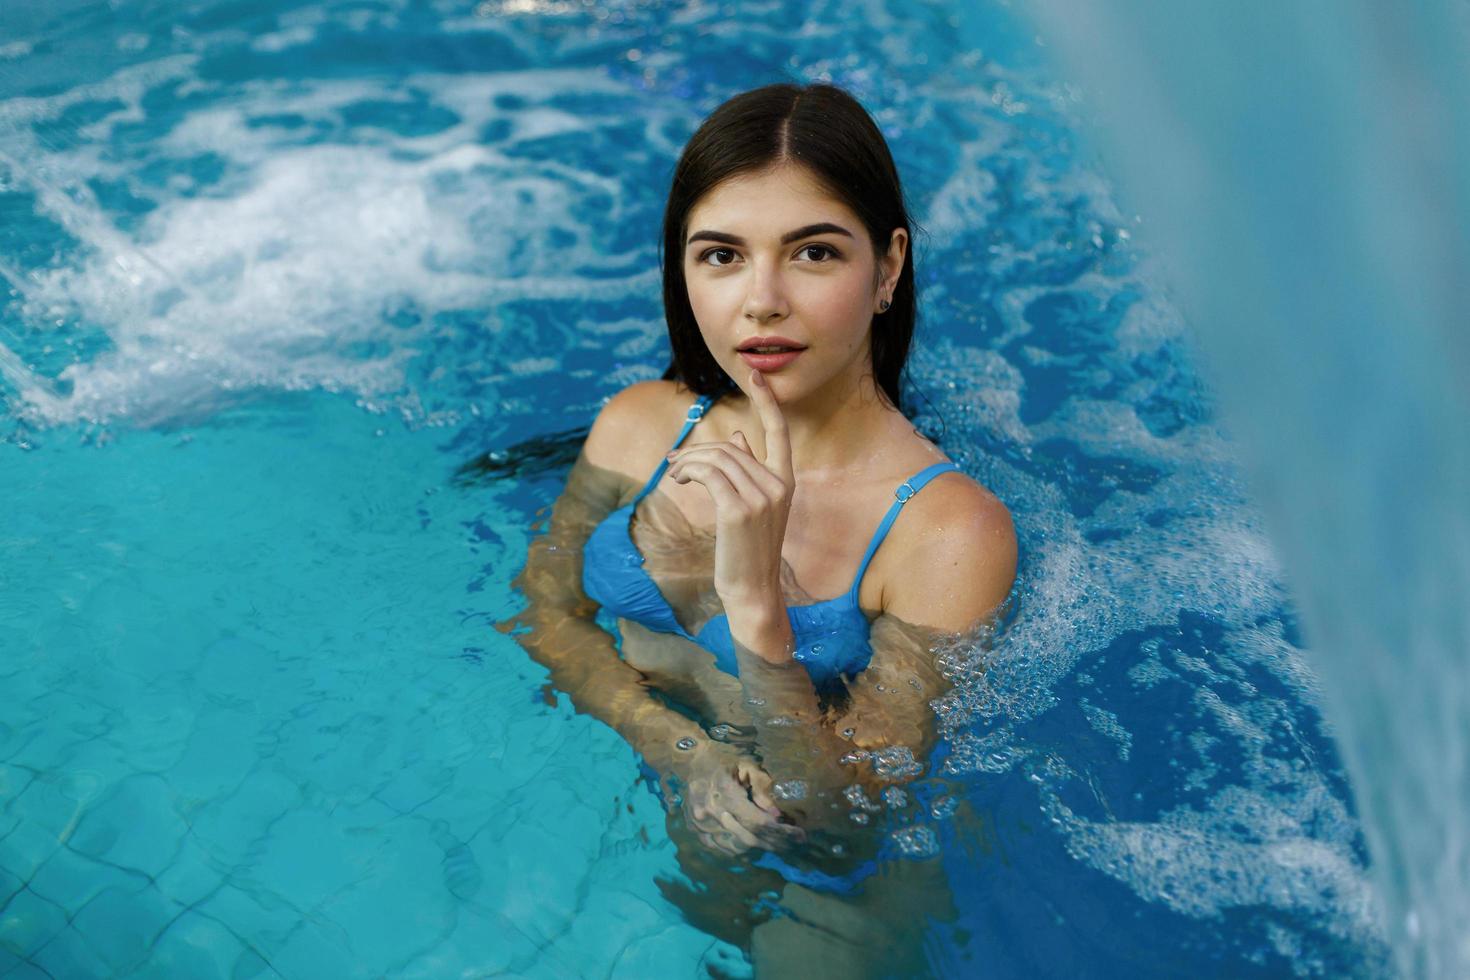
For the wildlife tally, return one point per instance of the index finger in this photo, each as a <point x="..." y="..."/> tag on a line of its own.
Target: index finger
<point x="778" y="441"/>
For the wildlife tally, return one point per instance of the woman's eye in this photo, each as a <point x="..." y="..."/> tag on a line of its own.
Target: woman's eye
<point x="818" y="253"/>
<point x="729" y="255"/>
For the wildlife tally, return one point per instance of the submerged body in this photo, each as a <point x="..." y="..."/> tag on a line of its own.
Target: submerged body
<point x="875" y="675"/>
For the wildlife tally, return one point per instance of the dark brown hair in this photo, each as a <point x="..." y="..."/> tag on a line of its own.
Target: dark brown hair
<point x="824" y="129"/>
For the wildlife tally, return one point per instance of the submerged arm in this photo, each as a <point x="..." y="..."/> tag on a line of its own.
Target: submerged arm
<point x="883" y="735"/>
<point x="720" y="792"/>
<point x="558" y="630"/>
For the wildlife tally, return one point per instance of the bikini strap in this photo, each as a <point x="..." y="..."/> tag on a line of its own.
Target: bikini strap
<point x="905" y="491"/>
<point x="695" y="413"/>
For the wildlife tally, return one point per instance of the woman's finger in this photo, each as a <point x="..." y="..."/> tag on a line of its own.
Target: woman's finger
<point x="713" y="479"/>
<point x="778" y="441"/>
<point x="741" y="481"/>
<point x="767" y="828"/>
<point x="717" y="837"/>
<point x="763" y="473"/>
<point x="734" y="462"/>
<point x="740" y="451"/>
<point x="688" y="447"/>
<point x="760" y="814"/>
<point x="760" y="784"/>
<point x="755" y="820"/>
<point x="742" y="835"/>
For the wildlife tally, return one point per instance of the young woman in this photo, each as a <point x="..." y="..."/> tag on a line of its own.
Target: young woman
<point x="782" y="549"/>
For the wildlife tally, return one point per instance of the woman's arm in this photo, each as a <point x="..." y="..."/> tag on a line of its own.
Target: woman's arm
<point x="880" y="739"/>
<point x="556" y="627"/>
<point x="725" y="795"/>
<point x="791" y="738"/>
<point x="960" y="567"/>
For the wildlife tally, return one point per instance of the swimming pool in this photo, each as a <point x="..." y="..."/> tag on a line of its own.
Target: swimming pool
<point x="306" y="308"/>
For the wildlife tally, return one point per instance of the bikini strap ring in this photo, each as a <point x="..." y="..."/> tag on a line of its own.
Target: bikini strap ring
<point x="904" y="496"/>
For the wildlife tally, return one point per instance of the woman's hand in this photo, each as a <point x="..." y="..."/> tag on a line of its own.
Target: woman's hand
<point x="752" y="499"/>
<point x="728" y="801"/>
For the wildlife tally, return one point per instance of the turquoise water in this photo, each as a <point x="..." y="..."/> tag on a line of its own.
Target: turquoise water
<point x="280" y="278"/>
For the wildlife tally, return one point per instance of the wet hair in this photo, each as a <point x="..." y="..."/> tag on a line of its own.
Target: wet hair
<point x="824" y="129"/>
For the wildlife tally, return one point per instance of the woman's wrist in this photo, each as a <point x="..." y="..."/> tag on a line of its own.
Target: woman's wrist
<point x="762" y="628"/>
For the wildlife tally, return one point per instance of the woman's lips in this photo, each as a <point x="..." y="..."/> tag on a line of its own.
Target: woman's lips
<point x="769" y="362"/>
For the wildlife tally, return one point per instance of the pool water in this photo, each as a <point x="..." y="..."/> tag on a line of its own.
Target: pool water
<point x="306" y="309"/>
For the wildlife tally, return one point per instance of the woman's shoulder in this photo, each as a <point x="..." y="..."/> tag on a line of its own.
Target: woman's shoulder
<point x="637" y="423"/>
<point x="958" y="555"/>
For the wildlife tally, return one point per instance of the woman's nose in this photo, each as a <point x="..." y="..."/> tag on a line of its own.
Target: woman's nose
<point x="766" y="297"/>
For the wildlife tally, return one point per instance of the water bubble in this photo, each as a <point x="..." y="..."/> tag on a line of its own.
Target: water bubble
<point x="854" y="795"/>
<point x="895" y="798"/>
<point x="686" y="743"/>
<point x="858" y="817"/>
<point x="896" y="762"/>
<point x="916" y="842"/>
<point x="721" y="732"/>
<point x="789" y="789"/>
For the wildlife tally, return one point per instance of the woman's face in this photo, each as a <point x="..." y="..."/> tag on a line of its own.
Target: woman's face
<point x="772" y="254"/>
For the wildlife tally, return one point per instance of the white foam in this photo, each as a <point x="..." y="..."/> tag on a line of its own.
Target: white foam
<point x="277" y="277"/>
<point x="1186" y="864"/>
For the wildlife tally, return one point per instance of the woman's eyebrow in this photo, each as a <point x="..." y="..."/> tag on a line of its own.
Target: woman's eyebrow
<point x="806" y="231"/>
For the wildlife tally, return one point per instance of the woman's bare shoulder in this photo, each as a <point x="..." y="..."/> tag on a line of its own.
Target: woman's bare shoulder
<point x="958" y="555"/>
<point x="637" y="423"/>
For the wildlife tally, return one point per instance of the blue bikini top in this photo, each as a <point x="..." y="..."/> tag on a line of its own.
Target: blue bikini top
<point x="831" y="636"/>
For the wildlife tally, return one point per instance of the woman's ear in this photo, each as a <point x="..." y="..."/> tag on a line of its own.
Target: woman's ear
<point x="898" y="244"/>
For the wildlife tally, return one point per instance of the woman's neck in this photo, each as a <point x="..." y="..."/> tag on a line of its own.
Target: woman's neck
<point x="835" y="428"/>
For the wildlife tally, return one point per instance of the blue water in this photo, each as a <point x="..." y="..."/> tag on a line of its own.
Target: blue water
<point x="1306" y="168"/>
<point x="278" y="278"/>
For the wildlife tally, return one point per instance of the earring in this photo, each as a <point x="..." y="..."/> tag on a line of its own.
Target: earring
<point x="883" y="305"/>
